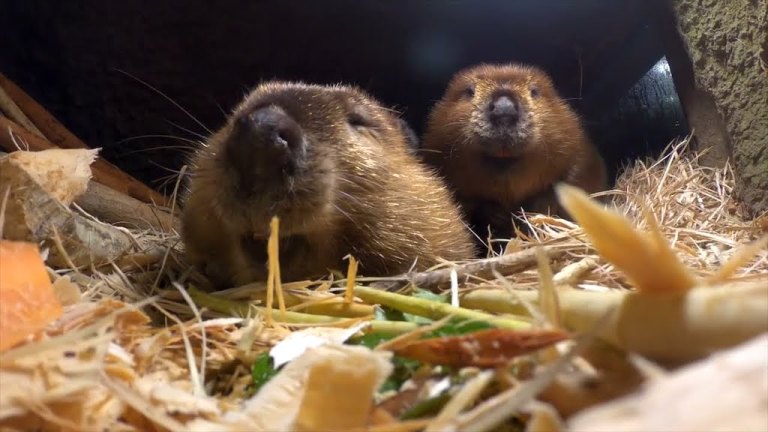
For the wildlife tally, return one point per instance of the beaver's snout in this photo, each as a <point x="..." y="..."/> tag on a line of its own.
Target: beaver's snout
<point x="265" y="143"/>
<point x="271" y="129"/>
<point x="504" y="109"/>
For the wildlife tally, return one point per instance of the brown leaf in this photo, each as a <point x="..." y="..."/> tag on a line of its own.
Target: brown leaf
<point x="485" y="348"/>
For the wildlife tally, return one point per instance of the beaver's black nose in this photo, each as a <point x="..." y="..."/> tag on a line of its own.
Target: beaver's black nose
<point x="265" y="145"/>
<point x="271" y="128"/>
<point x="504" y="109"/>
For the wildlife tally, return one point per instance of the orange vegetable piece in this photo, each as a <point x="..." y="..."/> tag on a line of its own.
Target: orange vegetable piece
<point x="27" y="300"/>
<point x="484" y="348"/>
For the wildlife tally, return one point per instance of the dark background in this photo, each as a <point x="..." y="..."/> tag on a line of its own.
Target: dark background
<point x="83" y="60"/>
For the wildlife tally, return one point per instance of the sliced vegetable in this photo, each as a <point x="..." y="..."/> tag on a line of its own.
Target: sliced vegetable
<point x="27" y="300"/>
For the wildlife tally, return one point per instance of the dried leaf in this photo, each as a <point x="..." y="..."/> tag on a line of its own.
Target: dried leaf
<point x="485" y="348"/>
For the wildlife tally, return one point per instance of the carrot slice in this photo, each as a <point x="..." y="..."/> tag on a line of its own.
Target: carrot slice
<point x="27" y="300"/>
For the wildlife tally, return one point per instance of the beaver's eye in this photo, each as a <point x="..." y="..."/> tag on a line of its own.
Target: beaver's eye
<point x="469" y="91"/>
<point x="357" y="119"/>
<point x="535" y="91"/>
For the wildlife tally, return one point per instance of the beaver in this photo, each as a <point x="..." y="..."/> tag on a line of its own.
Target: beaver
<point x="502" y="137"/>
<point x="334" y="166"/>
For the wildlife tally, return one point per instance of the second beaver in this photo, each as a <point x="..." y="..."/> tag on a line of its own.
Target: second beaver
<point x="502" y="137"/>
<point x="334" y="166"/>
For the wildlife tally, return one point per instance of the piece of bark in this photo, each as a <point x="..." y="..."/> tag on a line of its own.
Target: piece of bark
<point x="438" y="280"/>
<point x="10" y="109"/>
<point x="64" y="174"/>
<point x="32" y="214"/>
<point x="119" y="209"/>
<point x="103" y="172"/>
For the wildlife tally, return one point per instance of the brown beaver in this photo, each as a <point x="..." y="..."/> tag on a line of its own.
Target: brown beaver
<point x="502" y="137"/>
<point x="334" y="166"/>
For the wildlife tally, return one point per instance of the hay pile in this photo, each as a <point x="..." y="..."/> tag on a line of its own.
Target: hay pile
<point x="139" y="347"/>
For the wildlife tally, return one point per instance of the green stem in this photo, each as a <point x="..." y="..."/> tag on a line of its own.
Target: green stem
<point x="225" y="306"/>
<point x="240" y="308"/>
<point x="392" y="327"/>
<point x="431" y="309"/>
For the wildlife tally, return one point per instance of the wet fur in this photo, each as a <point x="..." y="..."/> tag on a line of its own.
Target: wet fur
<point x="359" y="191"/>
<point x="549" y="142"/>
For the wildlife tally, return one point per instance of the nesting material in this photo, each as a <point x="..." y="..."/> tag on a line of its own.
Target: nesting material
<point x="143" y="348"/>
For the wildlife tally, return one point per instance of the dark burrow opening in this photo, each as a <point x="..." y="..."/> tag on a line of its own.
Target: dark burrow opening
<point x="92" y="63"/>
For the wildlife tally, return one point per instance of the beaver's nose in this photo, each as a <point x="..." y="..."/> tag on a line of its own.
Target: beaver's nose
<point x="265" y="145"/>
<point x="271" y="128"/>
<point x="504" y="109"/>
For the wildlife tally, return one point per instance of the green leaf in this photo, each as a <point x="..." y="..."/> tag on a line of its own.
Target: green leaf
<point x="427" y="407"/>
<point x="429" y="295"/>
<point x="391" y="384"/>
<point x="426" y="295"/>
<point x="383" y="313"/>
<point x="371" y="340"/>
<point x="263" y="370"/>
<point x="402" y="371"/>
<point x="403" y="367"/>
<point x="459" y="327"/>
<point x="416" y="319"/>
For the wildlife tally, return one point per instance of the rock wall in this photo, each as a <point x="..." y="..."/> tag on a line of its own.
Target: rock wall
<point x="727" y="42"/>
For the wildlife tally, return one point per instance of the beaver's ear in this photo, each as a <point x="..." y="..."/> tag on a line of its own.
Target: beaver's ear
<point x="411" y="139"/>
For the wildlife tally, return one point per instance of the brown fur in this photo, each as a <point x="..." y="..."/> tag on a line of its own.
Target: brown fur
<point x="358" y="191"/>
<point x="547" y="146"/>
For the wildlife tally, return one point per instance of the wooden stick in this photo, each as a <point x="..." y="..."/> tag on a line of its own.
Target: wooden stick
<point x="9" y="107"/>
<point x="437" y="280"/>
<point x="28" y="140"/>
<point x="116" y="208"/>
<point x="103" y="172"/>
<point x="51" y="129"/>
<point x="60" y="136"/>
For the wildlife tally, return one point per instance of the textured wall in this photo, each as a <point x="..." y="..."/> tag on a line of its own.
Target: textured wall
<point x="728" y="45"/>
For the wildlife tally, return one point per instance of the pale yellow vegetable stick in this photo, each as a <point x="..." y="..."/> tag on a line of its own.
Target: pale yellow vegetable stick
<point x="349" y="294"/>
<point x="273" y="252"/>
<point x="547" y="294"/>
<point x="647" y="260"/>
<point x="664" y="327"/>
